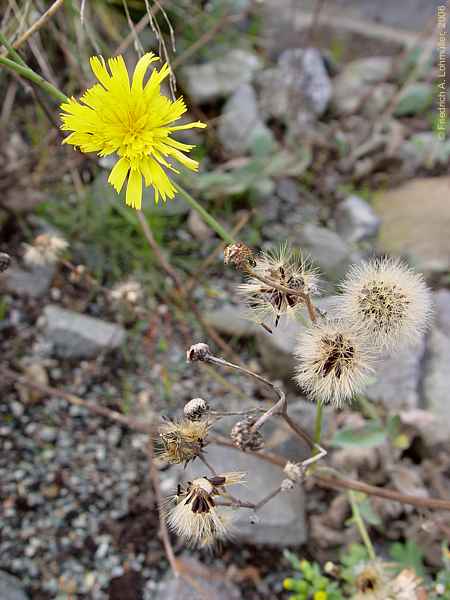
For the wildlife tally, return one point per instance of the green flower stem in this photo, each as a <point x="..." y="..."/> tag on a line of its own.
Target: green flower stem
<point x="318" y="426"/>
<point x="28" y="73"/>
<point x="361" y="526"/>
<point x="11" y="51"/>
<point x="209" y="219"/>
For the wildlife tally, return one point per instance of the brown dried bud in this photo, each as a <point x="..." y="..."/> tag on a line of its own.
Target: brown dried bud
<point x="5" y="261"/>
<point x="198" y="352"/>
<point x="195" y="409"/>
<point x="245" y="438"/>
<point x="239" y="255"/>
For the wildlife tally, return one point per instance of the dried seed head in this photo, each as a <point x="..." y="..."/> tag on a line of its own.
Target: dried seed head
<point x="294" y="471"/>
<point x="182" y="441"/>
<point x="195" y="517"/>
<point x="287" y="485"/>
<point x="334" y="361"/>
<point x="5" y="261"/>
<point x="388" y="300"/>
<point x="195" y="409"/>
<point x="130" y="292"/>
<point x="407" y="585"/>
<point x="198" y="351"/>
<point x="46" y="249"/>
<point x="285" y="268"/>
<point x="239" y="255"/>
<point x="244" y="437"/>
<point x="371" y="581"/>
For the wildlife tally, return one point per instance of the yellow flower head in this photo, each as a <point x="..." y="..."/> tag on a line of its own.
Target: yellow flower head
<point x="132" y="120"/>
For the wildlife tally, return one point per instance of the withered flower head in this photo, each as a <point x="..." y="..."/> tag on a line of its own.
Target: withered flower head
<point x="198" y="351"/>
<point x="5" y="261"/>
<point x="182" y="441"/>
<point x="130" y="292"/>
<point x="371" y="581"/>
<point x="196" y="409"/>
<point x="294" y="471"/>
<point x="334" y="361"/>
<point x="195" y="516"/>
<point x="286" y="268"/>
<point x="387" y="299"/>
<point x="46" y="249"/>
<point x="239" y="255"/>
<point x="244" y="437"/>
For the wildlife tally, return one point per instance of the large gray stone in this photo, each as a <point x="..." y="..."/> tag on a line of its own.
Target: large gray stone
<point x="34" y="282"/>
<point x="436" y="381"/>
<point x="397" y="382"/>
<point x="209" y="585"/>
<point x="356" y="220"/>
<point x="240" y="124"/>
<point x="11" y="588"/>
<point x="281" y="521"/>
<point x="73" y="335"/>
<point x="219" y="78"/>
<point x="327" y="250"/>
<point x="356" y="80"/>
<point x="231" y="319"/>
<point x="416" y="221"/>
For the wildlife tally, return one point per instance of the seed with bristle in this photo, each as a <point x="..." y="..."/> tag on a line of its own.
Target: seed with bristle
<point x="239" y="255"/>
<point x="182" y="441"/>
<point x="388" y="300"/>
<point x="334" y="361"/>
<point x="198" y="351"/>
<point x="5" y="261"/>
<point x="195" y="409"/>
<point x="287" y="269"/>
<point x="196" y="518"/>
<point x="244" y="437"/>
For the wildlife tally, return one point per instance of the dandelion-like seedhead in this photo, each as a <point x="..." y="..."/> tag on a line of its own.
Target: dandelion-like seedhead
<point x="196" y="409"/>
<point x="195" y="516"/>
<point x="182" y="441"/>
<point x="372" y="582"/>
<point x="388" y="300"/>
<point x="130" y="292"/>
<point x="334" y="361"/>
<point x="239" y="255"/>
<point x="284" y="267"/>
<point x="46" y="249"/>
<point x="245" y="437"/>
<point x="132" y="120"/>
<point x="5" y="261"/>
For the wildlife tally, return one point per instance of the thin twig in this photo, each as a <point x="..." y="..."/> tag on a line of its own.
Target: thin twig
<point x="38" y="24"/>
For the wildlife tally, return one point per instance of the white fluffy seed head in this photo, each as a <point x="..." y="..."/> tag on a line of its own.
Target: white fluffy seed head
<point x="46" y="249"/>
<point x="388" y="300"/>
<point x="285" y="267"/>
<point x="334" y="361"/>
<point x="182" y="441"/>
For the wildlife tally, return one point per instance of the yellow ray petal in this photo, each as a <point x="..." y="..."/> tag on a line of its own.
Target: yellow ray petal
<point x="98" y="67"/>
<point x="141" y="69"/>
<point x="119" y="173"/>
<point x="134" y="189"/>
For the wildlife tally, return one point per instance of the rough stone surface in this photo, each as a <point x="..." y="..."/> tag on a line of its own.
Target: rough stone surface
<point x="281" y="521"/>
<point x="219" y="78"/>
<point x="327" y="249"/>
<point x="416" y="221"/>
<point x="231" y="320"/>
<point x="10" y="588"/>
<point x="33" y="283"/>
<point x="436" y="387"/>
<point x="73" y="335"/>
<point x="353" y="84"/>
<point x="298" y="90"/>
<point x="214" y="588"/>
<point x="397" y="382"/>
<point x="240" y="124"/>
<point x="356" y="220"/>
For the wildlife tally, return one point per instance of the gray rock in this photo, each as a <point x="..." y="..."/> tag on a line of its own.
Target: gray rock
<point x="219" y="78"/>
<point x="298" y="90"/>
<point x="231" y="319"/>
<point x="240" y="124"/>
<point x="33" y="283"/>
<point x="356" y="80"/>
<point x="213" y="588"/>
<point x="73" y="335"/>
<point x="397" y="382"/>
<point x="10" y="588"/>
<point x="435" y="385"/>
<point x="281" y="521"/>
<point x="327" y="250"/>
<point x="356" y="220"/>
<point x="294" y="204"/>
<point x="425" y="149"/>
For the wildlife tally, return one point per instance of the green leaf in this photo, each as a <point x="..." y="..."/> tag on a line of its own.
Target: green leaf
<point x="372" y="434"/>
<point x="408" y="555"/>
<point x="367" y="512"/>
<point x="416" y="98"/>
